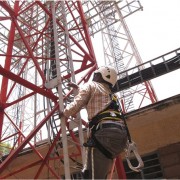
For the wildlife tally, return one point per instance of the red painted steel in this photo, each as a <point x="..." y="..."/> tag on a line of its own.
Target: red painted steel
<point x="32" y="54"/>
<point x="7" y="65"/>
<point x="120" y="168"/>
<point x="14" y="154"/>
<point x="13" y="77"/>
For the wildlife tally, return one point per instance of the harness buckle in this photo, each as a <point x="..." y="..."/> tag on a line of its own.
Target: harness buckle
<point x="132" y="148"/>
<point x="90" y="143"/>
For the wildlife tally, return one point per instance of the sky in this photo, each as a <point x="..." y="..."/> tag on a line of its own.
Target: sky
<point x="156" y="31"/>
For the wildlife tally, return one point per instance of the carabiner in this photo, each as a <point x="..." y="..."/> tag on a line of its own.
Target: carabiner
<point x="132" y="148"/>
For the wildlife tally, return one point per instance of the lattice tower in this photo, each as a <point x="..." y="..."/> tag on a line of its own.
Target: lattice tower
<point x="45" y="45"/>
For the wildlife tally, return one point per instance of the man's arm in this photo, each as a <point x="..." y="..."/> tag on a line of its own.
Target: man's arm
<point x="80" y="100"/>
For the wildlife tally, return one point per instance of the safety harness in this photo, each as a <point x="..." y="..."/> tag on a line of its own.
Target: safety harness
<point x="113" y="113"/>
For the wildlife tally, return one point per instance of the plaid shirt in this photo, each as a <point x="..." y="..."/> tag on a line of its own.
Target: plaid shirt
<point x="93" y="96"/>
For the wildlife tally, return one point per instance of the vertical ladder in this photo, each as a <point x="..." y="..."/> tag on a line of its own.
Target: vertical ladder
<point x="115" y="49"/>
<point x="59" y="86"/>
<point x="60" y="93"/>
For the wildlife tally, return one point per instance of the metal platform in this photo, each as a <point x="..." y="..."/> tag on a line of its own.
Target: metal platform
<point x="149" y="70"/>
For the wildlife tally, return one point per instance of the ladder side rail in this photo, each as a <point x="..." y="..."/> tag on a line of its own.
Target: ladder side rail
<point x="61" y="104"/>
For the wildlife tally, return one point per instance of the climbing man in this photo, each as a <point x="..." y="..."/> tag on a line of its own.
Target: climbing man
<point x="108" y="136"/>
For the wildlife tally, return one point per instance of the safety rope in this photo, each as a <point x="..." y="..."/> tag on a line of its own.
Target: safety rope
<point x="86" y="159"/>
<point x="112" y="169"/>
<point x="132" y="148"/>
<point x="92" y="160"/>
<point x="126" y="126"/>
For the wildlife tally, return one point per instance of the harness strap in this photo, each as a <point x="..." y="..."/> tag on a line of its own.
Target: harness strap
<point x="92" y="142"/>
<point x="111" y="112"/>
<point x="105" y="115"/>
<point x="102" y="149"/>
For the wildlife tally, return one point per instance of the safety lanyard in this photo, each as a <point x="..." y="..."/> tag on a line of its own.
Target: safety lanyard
<point x="131" y="146"/>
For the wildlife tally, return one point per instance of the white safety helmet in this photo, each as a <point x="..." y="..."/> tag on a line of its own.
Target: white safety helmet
<point x="108" y="73"/>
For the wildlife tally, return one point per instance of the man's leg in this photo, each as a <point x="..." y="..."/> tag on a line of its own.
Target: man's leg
<point x="101" y="165"/>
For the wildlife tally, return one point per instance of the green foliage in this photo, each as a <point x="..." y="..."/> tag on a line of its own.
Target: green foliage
<point x="4" y="149"/>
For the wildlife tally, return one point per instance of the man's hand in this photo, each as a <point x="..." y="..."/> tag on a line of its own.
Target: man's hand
<point x="61" y="114"/>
